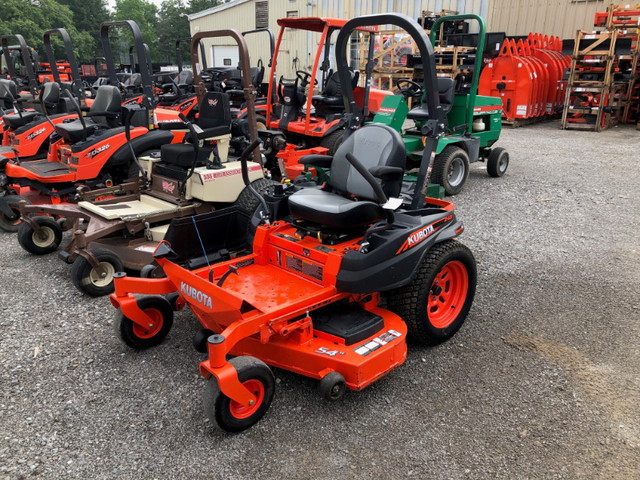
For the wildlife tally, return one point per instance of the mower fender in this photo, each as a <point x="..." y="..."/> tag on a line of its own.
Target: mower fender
<point x="471" y="145"/>
<point x="449" y="232"/>
<point x="148" y="141"/>
<point x="228" y="382"/>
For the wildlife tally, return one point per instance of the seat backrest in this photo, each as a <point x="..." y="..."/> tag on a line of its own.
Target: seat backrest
<point x="51" y="96"/>
<point x="8" y="89"/>
<point x="185" y="77"/>
<point x="332" y="87"/>
<point x="215" y="110"/>
<point x="107" y="100"/>
<point x="372" y="145"/>
<point x="446" y="92"/>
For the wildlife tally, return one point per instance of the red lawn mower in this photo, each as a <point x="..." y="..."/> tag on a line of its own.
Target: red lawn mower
<point x="307" y="298"/>
<point x="294" y="115"/>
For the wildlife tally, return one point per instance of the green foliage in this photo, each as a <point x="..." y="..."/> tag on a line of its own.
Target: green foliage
<point x="145" y="14"/>
<point x="173" y="25"/>
<point x="200" y="5"/>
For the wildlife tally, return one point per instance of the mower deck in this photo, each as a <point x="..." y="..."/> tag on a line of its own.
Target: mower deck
<point x="145" y="206"/>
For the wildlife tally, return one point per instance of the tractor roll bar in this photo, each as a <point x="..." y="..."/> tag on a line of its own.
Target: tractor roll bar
<point x="144" y="61"/>
<point x="76" y="84"/>
<point x="272" y="40"/>
<point x="473" y="92"/>
<point x="179" y="57"/>
<point x="245" y="66"/>
<point x="434" y="127"/>
<point x="26" y="59"/>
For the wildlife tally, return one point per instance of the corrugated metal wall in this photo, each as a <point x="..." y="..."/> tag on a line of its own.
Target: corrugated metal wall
<point x="552" y="17"/>
<point x="299" y="47"/>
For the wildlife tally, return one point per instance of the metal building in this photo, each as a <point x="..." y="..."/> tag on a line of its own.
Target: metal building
<point x="551" y="17"/>
<point x="299" y="47"/>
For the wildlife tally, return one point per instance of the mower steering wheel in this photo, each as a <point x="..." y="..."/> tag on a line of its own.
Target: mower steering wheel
<point x="409" y="89"/>
<point x="304" y="78"/>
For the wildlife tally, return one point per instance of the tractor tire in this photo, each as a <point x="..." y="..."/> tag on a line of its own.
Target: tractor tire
<point x="231" y="416"/>
<point x="435" y="305"/>
<point x="451" y="169"/>
<point x="11" y="223"/>
<point x="247" y="201"/>
<point x="86" y="279"/>
<point x="332" y="141"/>
<point x="46" y="241"/>
<point x="139" y="337"/>
<point x="261" y="122"/>
<point x="497" y="162"/>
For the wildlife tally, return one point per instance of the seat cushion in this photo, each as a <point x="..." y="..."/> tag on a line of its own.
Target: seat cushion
<point x="73" y="131"/>
<point x="181" y="154"/>
<point x="14" y="121"/>
<point x="333" y="210"/>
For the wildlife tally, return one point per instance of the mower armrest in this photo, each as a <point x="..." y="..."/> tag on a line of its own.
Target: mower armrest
<point x="213" y="132"/>
<point x="177" y="125"/>
<point x="387" y="173"/>
<point x="102" y="114"/>
<point x="322" y="161"/>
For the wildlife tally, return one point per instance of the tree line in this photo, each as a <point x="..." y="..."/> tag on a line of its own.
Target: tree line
<point x="160" y="27"/>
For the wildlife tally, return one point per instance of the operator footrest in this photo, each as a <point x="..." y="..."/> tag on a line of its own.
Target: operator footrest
<point x="352" y="323"/>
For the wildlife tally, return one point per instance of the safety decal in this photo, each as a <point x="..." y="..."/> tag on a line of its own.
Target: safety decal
<point x="377" y="342"/>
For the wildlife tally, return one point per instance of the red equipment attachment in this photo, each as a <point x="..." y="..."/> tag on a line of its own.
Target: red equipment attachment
<point x="528" y="76"/>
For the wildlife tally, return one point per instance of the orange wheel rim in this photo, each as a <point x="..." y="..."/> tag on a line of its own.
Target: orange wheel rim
<point x="144" y="332"/>
<point x="447" y="294"/>
<point x="241" y="411"/>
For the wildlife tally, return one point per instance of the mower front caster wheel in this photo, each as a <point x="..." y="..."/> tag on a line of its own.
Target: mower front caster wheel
<point x="435" y="305"/>
<point x="232" y="416"/>
<point x="41" y="242"/>
<point x="143" y="337"/>
<point x="88" y="280"/>
<point x="332" y="386"/>
<point x="497" y="162"/>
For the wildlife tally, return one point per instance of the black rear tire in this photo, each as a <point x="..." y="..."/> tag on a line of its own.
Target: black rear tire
<point x="230" y="415"/>
<point x="46" y="241"/>
<point x="138" y="337"/>
<point x="11" y="223"/>
<point x="86" y="279"/>
<point x="497" y="162"/>
<point x="247" y="201"/>
<point x="333" y="141"/>
<point x="451" y="169"/>
<point x="435" y="305"/>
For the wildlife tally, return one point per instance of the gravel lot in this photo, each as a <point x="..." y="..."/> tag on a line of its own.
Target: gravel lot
<point x="543" y="380"/>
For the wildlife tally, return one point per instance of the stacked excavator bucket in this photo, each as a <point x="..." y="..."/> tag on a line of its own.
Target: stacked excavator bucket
<point x="528" y="76"/>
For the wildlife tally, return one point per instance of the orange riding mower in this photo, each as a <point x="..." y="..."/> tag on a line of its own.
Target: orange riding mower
<point x="96" y="149"/>
<point x="306" y="294"/>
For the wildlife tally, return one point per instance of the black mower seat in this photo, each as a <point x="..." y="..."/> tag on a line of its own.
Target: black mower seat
<point x="214" y="120"/>
<point x="331" y="96"/>
<point x="184" y="81"/>
<point x="373" y="145"/>
<point x="105" y="111"/>
<point x="14" y="120"/>
<point x="446" y="93"/>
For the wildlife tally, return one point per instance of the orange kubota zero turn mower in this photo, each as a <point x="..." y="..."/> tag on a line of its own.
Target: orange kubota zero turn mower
<point x="307" y="295"/>
<point x="92" y="151"/>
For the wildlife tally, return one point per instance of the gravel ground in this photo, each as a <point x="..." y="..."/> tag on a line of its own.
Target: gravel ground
<point x="542" y="381"/>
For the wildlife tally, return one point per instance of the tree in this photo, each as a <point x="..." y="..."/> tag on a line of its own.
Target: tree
<point x="31" y="18"/>
<point x="145" y="14"/>
<point x="87" y="17"/>
<point x="173" y="25"/>
<point x="200" y="5"/>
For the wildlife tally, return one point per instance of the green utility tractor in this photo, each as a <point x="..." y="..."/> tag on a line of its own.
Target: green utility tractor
<point x="473" y="121"/>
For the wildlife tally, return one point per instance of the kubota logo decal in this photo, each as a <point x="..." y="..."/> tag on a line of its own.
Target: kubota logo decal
<point x="98" y="150"/>
<point x="196" y="294"/>
<point x="33" y="135"/>
<point x="420" y="235"/>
